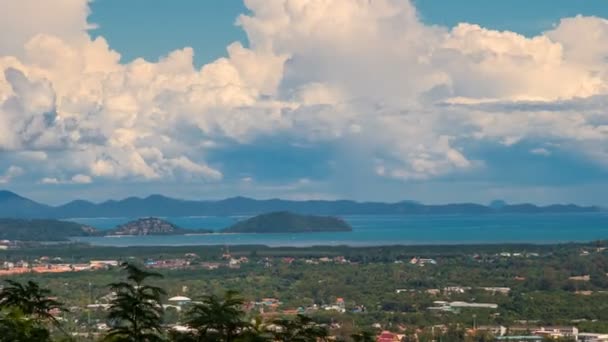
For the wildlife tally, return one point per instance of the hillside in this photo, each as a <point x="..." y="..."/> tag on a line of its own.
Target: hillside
<point x="150" y="226"/>
<point x="15" y="206"/>
<point x="286" y="222"/>
<point x="41" y="230"/>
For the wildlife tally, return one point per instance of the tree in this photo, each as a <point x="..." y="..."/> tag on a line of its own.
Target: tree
<point x="300" y="329"/>
<point x="30" y="299"/>
<point x="364" y="336"/>
<point x="17" y="327"/>
<point x="218" y="319"/>
<point x="136" y="312"/>
<point x="26" y="311"/>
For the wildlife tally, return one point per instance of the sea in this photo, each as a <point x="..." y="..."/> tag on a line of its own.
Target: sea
<point x="376" y="230"/>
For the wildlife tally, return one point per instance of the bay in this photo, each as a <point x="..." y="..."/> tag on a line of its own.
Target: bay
<point x="370" y="230"/>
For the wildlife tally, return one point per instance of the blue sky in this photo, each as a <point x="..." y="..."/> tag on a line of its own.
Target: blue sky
<point x="469" y="100"/>
<point x="138" y="29"/>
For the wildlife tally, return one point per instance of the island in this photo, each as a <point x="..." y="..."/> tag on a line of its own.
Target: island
<point x="287" y="222"/>
<point x="150" y="226"/>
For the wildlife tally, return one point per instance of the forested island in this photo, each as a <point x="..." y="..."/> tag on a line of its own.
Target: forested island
<point x="57" y="230"/>
<point x="286" y="222"/>
<point x="149" y="226"/>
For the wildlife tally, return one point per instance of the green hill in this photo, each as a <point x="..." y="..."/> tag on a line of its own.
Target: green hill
<point x="286" y="222"/>
<point x="41" y="230"/>
<point x="150" y="226"/>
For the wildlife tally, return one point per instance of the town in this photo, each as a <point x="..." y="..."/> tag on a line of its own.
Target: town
<point x="476" y="292"/>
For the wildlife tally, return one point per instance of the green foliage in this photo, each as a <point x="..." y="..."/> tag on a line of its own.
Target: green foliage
<point x="30" y="299"/>
<point x="17" y="327"/>
<point x="136" y="312"/>
<point x="26" y="310"/>
<point x="364" y="336"/>
<point x="286" y="222"/>
<point x="217" y="319"/>
<point x="300" y="329"/>
<point x="40" y="230"/>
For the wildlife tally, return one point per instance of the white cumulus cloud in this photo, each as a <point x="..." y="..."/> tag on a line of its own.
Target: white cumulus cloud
<point x="368" y="74"/>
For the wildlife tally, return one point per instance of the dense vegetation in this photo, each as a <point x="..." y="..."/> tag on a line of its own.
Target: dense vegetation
<point x="542" y="292"/>
<point x="286" y="222"/>
<point x="135" y="314"/>
<point x="41" y="230"/>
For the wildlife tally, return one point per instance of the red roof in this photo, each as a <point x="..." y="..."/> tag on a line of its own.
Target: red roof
<point x="387" y="336"/>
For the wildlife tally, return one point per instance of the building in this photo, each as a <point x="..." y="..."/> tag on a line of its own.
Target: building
<point x="523" y="338"/>
<point x="455" y="289"/>
<point x="473" y="305"/>
<point x="387" y="336"/>
<point x="557" y="332"/>
<point x="97" y="264"/>
<point x="495" y="330"/>
<point x="179" y="300"/>
<point x="499" y="290"/>
<point x="456" y="306"/>
<point x="590" y="337"/>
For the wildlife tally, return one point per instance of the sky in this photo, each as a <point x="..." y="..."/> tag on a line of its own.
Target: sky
<point x="381" y="100"/>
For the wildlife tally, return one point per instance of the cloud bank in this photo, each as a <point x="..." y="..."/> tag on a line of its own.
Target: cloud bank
<point x="400" y="99"/>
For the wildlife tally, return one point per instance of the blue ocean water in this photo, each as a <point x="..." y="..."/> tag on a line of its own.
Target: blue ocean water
<point x="372" y="230"/>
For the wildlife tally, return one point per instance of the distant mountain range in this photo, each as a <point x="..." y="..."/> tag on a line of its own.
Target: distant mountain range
<point x="14" y="206"/>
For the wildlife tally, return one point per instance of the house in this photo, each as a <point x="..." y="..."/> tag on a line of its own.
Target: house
<point x="99" y="264"/>
<point x="387" y="336"/>
<point x="179" y="300"/>
<point x="422" y="261"/>
<point x="585" y="277"/>
<point x="340" y="260"/>
<point x="210" y="265"/>
<point x="339" y="306"/>
<point x="557" y="332"/>
<point x="499" y="290"/>
<point x="455" y="289"/>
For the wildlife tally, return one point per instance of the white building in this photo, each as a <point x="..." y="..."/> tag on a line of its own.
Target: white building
<point x="590" y="337"/>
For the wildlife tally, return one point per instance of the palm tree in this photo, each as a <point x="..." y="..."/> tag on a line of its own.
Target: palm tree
<point x="300" y="329"/>
<point x="30" y="299"/>
<point x="136" y="312"/>
<point x="217" y="319"/>
<point x="257" y="331"/>
<point x="17" y="327"/>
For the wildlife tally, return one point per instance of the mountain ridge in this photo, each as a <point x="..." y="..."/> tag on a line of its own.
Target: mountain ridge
<point x="15" y="206"/>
